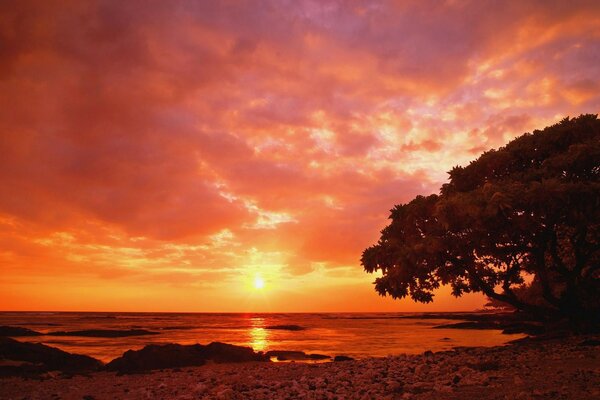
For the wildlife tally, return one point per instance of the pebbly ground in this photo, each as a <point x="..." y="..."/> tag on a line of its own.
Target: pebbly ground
<point x="555" y="369"/>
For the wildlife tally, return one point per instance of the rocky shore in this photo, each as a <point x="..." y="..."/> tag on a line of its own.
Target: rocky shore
<point x="565" y="368"/>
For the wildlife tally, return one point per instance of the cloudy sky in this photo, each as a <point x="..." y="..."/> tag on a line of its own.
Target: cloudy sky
<point x="163" y="155"/>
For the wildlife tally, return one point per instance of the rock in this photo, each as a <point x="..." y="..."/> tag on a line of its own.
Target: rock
<point x="474" y="379"/>
<point x="394" y="386"/>
<point x="107" y="333"/>
<point x="200" y="388"/>
<point x="343" y="358"/>
<point x="523" y="396"/>
<point x="157" y="357"/>
<point x="428" y="356"/>
<point x="465" y="371"/>
<point x="15" y="331"/>
<point x="229" y="353"/>
<point x="421" y="387"/>
<point x="485" y="366"/>
<point x="40" y="358"/>
<point x="471" y="325"/>
<point x="176" y="355"/>
<point x="49" y="375"/>
<point x="521" y="327"/>
<point x="176" y="328"/>
<point x="286" y="355"/>
<point x="224" y="393"/>
<point x="590" y="342"/>
<point x="286" y="327"/>
<point x="422" y="369"/>
<point x="318" y="357"/>
<point x="442" y="388"/>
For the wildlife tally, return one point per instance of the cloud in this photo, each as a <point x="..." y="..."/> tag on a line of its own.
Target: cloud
<point x="190" y="144"/>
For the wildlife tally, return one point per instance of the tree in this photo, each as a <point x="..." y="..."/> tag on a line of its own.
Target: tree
<point x="519" y="224"/>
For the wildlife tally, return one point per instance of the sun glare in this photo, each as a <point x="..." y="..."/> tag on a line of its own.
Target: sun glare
<point x="259" y="283"/>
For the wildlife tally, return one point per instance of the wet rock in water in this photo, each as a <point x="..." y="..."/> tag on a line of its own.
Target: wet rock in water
<point x="229" y="353"/>
<point x="530" y="329"/>
<point x="286" y="355"/>
<point x="318" y="357"/>
<point x="35" y="358"/>
<point x="343" y="358"/>
<point x="286" y="327"/>
<point x="507" y="327"/>
<point x="176" y="355"/>
<point x="471" y="325"/>
<point x="15" y="331"/>
<point x="177" y="328"/>
<point x="107" y="333"/>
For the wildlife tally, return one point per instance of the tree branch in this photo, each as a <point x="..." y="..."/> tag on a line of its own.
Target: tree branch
<point x="506" y="298"/>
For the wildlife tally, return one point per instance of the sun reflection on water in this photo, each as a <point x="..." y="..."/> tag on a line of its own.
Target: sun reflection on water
<point x="259" y="336"/>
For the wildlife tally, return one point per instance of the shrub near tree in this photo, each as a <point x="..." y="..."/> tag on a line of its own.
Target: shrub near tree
<point x="519" y="224"/>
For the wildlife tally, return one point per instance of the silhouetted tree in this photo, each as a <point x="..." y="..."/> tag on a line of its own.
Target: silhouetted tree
<point x="528" y="211"/>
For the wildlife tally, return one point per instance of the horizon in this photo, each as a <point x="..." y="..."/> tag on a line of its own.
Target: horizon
<point x="272" y="312"/>
<point x="235" y="158"/>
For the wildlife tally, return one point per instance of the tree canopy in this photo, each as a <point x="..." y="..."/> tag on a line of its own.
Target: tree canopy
<point x="523" y="216"/>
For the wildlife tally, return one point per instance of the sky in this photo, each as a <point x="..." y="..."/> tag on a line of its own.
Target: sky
<point x="164" y="156"/>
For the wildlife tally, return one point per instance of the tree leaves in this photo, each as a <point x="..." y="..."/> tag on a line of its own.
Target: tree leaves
<point x="530" y="207"/>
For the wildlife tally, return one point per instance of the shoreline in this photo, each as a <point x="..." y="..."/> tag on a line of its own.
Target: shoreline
<point x="313" y="333"/>
<point x="562" y="368"/>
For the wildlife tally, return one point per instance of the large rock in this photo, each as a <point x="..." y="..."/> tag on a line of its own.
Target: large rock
<point x="158" y="356"/>
<point x="507" y="327"/>
<point x="36" y="357"/>
<point x="176" y="355"/>
<point x="14" y="331"/>
<point x="227" y="353"/>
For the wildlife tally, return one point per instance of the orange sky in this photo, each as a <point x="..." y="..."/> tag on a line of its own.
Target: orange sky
<point x="159" y="156"/>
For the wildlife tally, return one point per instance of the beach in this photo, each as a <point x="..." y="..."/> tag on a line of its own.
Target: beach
<point x="564" y="368"/>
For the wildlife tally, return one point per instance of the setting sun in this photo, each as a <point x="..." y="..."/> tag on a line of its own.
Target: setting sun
<point x="259" y="283"/>
<point x="405" y="192"/>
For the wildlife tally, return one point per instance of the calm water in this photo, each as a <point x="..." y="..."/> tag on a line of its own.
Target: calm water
<point x="355" y="334"/>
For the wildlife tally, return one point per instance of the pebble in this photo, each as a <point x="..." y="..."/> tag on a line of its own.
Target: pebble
<point x="431" y="376"/>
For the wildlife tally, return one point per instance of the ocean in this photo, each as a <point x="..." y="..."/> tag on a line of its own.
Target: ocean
<point x="357" y="335"/>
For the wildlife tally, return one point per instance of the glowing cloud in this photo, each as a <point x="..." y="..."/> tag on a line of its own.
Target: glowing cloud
<point x="158" y="155"/>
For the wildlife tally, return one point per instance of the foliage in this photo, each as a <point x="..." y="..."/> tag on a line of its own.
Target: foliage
<point x="527" y="211"/>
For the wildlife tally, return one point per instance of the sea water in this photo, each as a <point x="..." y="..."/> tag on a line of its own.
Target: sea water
<point x="358" y="335"/>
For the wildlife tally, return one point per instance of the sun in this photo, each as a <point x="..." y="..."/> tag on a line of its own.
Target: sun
<point x="259" y="283"/>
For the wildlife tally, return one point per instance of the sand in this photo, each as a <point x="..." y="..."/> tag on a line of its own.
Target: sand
<point x="553" y="369"/>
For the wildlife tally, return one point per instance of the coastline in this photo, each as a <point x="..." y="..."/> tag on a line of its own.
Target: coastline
<point x="565" y="368"/>
<point x="358" y="335"/>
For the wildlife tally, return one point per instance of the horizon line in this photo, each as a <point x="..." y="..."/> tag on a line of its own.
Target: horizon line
<point x="250" y="312"/>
